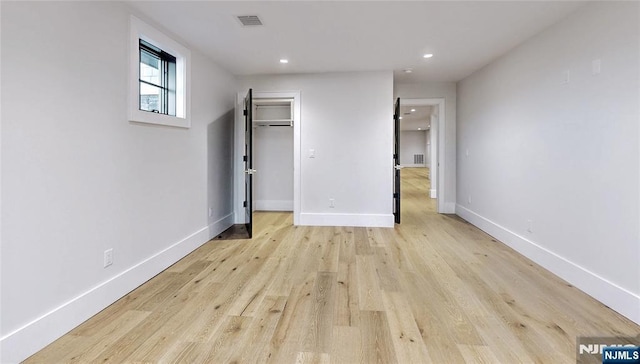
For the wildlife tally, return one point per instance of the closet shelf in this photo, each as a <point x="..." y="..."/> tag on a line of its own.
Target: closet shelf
<point x="273" y="122"/>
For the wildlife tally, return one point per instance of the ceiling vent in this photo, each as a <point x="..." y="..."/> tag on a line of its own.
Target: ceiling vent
<point x="249" y="20"/>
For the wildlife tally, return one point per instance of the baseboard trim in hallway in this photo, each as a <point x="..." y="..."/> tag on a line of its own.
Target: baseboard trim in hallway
<point x="28" y="339"/>
<point x="617" y="298"/>
<point x="361" y="220"/>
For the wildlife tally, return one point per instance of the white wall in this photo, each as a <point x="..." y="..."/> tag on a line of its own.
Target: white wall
<point x="347" y="119"/>
<point x="412" y="142"/>
<point x="273" y="159"/>
<point x="447" y="91"/>
<point x="79" y="178"/>
<point x="561" y="159"/>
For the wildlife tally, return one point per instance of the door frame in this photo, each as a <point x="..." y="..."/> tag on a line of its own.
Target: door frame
<point x="238" y="191"/>
<point x="248" y="162"/>
<point x="438" y="149"/>
<point x="396" y="163"/>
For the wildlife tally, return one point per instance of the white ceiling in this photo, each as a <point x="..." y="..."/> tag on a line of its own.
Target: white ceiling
<point x="412" y="120"/>
<point x="329" y="36"/>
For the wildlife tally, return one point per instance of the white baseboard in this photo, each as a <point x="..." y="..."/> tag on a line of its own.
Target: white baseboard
<point x="220" y="225"/>
<point x="35" y="335"/>
<point x="434" y="194"/>
<point x="367" y="220"/>
<point x="619" y="299"/>
<point x="273" y="205"/>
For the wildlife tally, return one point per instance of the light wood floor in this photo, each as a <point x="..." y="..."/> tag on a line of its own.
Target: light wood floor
<point x="433" y="290"/>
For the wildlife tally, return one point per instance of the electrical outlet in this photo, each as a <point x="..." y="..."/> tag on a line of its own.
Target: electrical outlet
<point x="108" y="257"/>
<point x="530" y="226"/>
<point x="332" y="203"/>
<point x="469" y="199"/>
<point x="210" y="211"/>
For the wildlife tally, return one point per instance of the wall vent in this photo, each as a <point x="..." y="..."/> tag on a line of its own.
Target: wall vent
<point x="418" y="159"/>
<point x="249" y="20"/>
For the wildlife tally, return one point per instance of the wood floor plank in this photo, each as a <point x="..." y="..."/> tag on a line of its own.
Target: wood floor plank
<point x="256" y="342"/>
<point x="109" y="334"/>
<point x="361" y="240"/>
<point x="377" y="345"/>
<point x="290" y="331"/>
<point x="312" y="358"/>
<point x="331" y="250"/>
<point x="369" y="295"/>
<point x="64" y="350"/>
<point x="406" y="337"/>
<point x="249" y="299"/>
<point x="387" y="272"/>
<point x="432" y="289"/>
<point x="320" y="323"/>
<point x="226" y="342"/>
<point x="347" y="345"/>
<point x="184" y="352"/>
<point x="347" y="253"/>
<point x="477" y="354"/>
<point x="347" y="308"/>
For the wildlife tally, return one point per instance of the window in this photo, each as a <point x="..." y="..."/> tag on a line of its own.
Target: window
<point x="157" y="80"/>
<point x="159" y="75"/>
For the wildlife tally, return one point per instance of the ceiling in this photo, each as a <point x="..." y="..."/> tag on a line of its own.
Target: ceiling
<point x="337" y="36"/>
<point x="412" y="120"/>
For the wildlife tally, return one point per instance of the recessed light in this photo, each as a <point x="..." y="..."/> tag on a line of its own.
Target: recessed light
<point x="413" y="110"/>
<point x="428" y="55"/>
<point x="408" y="70"/>
<point x="419" y="128"/>
<point x="400" y="118"/>
<point x="284" y="61"/>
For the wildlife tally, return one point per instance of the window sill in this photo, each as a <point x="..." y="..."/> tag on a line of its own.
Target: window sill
<point x="147" y="117"/>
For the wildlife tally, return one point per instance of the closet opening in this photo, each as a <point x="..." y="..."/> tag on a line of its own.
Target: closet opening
<point x="267" y="159"/>
<point x="273" y="154"/>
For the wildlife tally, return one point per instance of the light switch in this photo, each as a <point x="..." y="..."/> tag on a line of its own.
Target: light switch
<point x="312" y="153"/>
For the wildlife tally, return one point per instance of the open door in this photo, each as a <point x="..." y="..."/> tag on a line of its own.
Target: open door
<point x="396" y="162"/>
<point x="248" y="163"/>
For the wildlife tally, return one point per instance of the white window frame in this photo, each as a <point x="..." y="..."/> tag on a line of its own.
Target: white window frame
<point x="141" y="30"/>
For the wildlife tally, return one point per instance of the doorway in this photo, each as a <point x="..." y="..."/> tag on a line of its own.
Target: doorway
<point x="421" y="129"/>
<point x="273" y="154"/>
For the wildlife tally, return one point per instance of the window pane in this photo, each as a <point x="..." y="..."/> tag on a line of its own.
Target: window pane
<point x="171" y="88"/>
<point x="150" y="66"/>
<point x="157" y="80"/>
<point x="150" y="98"/>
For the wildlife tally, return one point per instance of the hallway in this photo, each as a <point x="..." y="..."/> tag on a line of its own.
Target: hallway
<point x="434" y="289"/>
